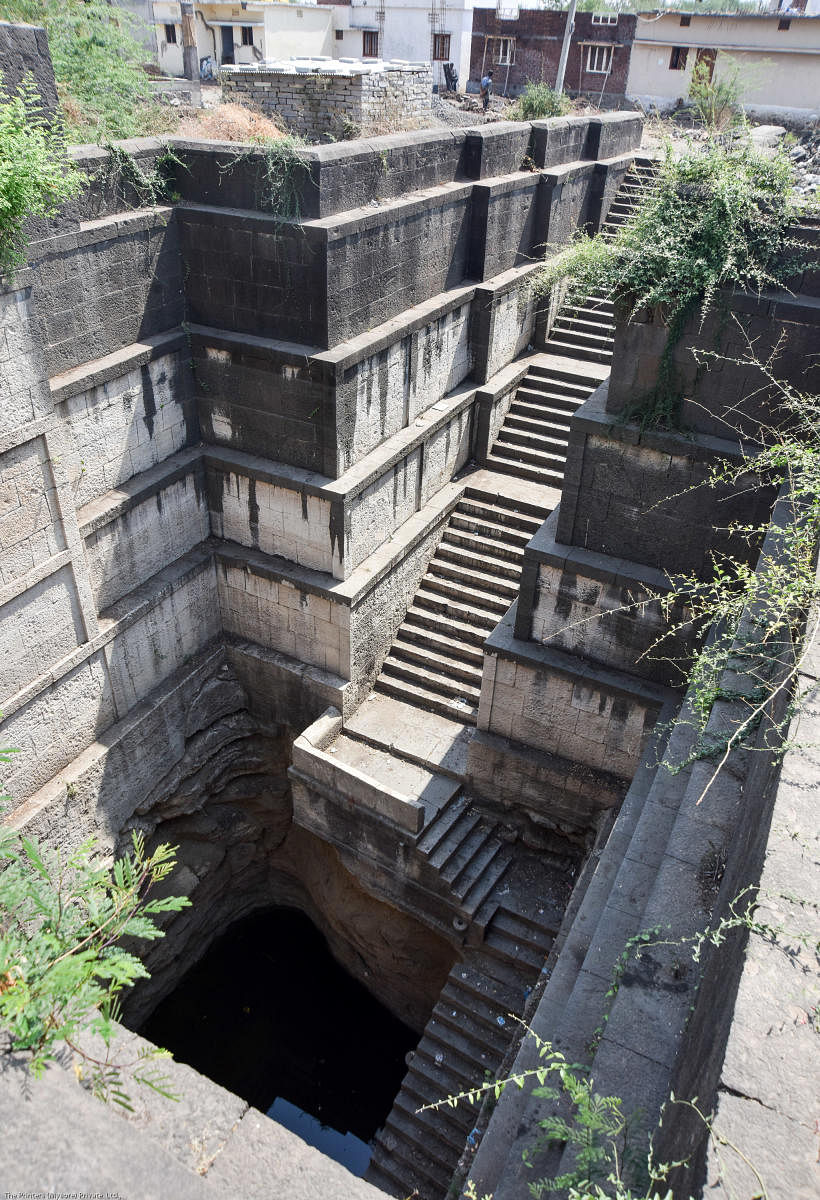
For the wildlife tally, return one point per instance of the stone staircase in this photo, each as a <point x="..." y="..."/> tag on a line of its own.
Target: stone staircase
<point x="462" y="847"/>
<point x="471" y="581"/>
<point x="533" y="440"/>
<point x="463" y="1044"/>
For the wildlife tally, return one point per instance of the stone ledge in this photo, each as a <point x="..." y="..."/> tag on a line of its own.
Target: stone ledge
<point x="115" y="503"/>
<point x="503" y="643"/>
<point x="544" y="548"/>
<point x="112" y="366"/>
<point x="115" y="620"/>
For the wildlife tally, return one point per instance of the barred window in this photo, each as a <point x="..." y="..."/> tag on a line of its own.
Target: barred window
<point x="599" y="59"/>
<point x="604" y="18"/>
<point x="677" y="59"/>
<point x="441" y="47"/>
<point x="247" y="35"/>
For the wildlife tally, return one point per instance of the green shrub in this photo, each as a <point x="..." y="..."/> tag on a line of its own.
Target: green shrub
<point x="35" y="178"/>
<point x="537" y="101"/>
<point x="716" y="218"/>
<point x="103" y="90"/>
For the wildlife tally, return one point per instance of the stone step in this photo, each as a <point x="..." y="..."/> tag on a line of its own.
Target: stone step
<point x="472" y="891"/>
<point x="456" y="708"/>
<point x="473" y="863"/>
<point x="423" y="1131"/>
<point x="460" y="831"/>
<point x="453" y="668"/>
<point x="454" y="1122"/>
<point x="576" y="379"/>
<point x="569" y="349"/>
<point x="583" y="324"/>
<point x="408" y="1166"/>
<point x="473" y="1055"/>
<point x="383" y="1178"/>
<point x="559" y="388"/>
<point x="511" y="435"/>
<point x="521" y="930"/>
<point x="507" y="465"/>
<point x="590" y="312"/>
<point x="515" y="950"/>
<point x="488" y="591"/>
<point x="547" y="433"/>
<point x="560" y="418"/>
<point x="513" y="445"/>
<point x="441" y="643"/>
<point x="464" y="610"/>
<point x="486" y="996"/>
<point x="481" y="553"/>
<point x="445" y="625"/>
<point x="475" y="851"/>
<point x="472" y="526"/>
<point x="430" y="679"/>
<point x="419" y="1090"/>
<point x="553" y="401"/>
<point x="520" y="510"/>
<point x="467" y="1071"/>
<point x="460" y="1019"/>
<point x="568" y="332"/>
<point x="441" y="825"/>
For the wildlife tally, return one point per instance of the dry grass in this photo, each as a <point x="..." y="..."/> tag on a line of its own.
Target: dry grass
<point x="230" y="123"/>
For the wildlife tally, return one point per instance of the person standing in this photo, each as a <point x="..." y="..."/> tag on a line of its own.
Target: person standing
<point x="485" y="90"/>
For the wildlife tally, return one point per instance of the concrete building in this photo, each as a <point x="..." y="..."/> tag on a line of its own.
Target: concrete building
<point x="777" y="56"/>
<point x="237" y="33"/>
<point x="225" y="33"/>
<point x="526" y="46"/>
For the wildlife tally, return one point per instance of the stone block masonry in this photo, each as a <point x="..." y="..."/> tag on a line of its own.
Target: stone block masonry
<point x="332" y="100"/>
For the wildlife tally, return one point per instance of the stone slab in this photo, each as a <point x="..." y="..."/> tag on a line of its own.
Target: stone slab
<point x="396" y="773"/>
<point x="419" y="736"/>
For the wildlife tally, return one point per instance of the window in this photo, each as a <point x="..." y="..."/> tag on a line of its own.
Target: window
<point x="340" y="33"/>
<point x="247" y="35"/>
<point x="677" y="61"/>
<point x="783" y="24"/>
<point x="441" y="47"/>
<point x="685" y="21"/>
<point x="171" y="35"/>
<point x="604" y="18"/>
<point x="502" y="51"/>
<point x="599" y="59"/>
<point x="370" y="43"/>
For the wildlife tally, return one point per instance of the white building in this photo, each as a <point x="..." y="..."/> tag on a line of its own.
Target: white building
<point x="776" y="56"/>
<point x="438" y="31"/>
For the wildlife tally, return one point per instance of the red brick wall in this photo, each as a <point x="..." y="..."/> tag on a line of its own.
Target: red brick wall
<point x="538" y="37"/>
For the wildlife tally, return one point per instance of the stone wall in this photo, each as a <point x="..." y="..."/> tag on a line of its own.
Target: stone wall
<point x="327" y="100"/>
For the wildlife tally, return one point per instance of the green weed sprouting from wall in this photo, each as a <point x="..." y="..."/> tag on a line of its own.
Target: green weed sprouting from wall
<point x="716" y="218"/>
<point x="35" y="176"/>
<point x="63" y="917"/>
<point x="280" y="175"/>
<point x="137" y="185"/>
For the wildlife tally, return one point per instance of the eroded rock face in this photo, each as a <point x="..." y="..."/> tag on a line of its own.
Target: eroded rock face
<point x="226" y="805"/>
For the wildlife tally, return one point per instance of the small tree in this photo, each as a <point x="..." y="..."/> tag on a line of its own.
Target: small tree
<point x="63" y="918"/>
<point x="716" y="103"/>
